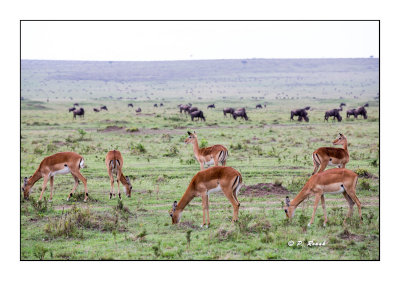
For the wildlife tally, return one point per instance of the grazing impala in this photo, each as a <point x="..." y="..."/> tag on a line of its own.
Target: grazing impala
<point x="114" y="164"/>
<point x="331" y="156"/>
<point x="209" y="155"/>
<point x="57" y="164"/>
<point x="205" y="182"/>
<point x="330" y="181"/>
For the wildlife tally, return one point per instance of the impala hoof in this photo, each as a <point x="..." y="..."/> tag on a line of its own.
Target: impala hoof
<point x="308" y="225"/>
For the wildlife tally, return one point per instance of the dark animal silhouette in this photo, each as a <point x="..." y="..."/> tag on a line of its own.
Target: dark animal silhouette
<point x="155" y="105"/>
<point x="130" y="105"/>
<point x="185" y="108"/>
<point x="229" y="110"/>
<point x="211" y="106"/>
<point x="96" y="110"/>
<point x="301" y="113"/>
<point x="265" y="105"/>
<point x="240" y="112"/>
<point x="193" y="109"/>
<point x="198" y="114"/>
<point x="138" y="110"/>
<point x="359" y="111"/>
<point x="71" y="109"/>
<point x="104" y="108"/>
<point x="334" y="113"/>
<point x="258" y="106"/>
<point x="161" y="104"/>
<point x="76" y="104"/>
<point x="80" y="112"/>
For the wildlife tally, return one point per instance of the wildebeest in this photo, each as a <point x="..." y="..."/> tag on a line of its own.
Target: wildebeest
<point x="198" y="114"/>
<point x="161" y="104"/>
<point x="258" y="106"/>
<point x="138" y="110"/>
<point x="96" y="110"/>
<point x="359" y="111"/>
<point x="80" y="112"/>
<point x="76" y="104"/>
<point x="240" y="112"/>
<point x="130" y="105"/>
<point x="71" y="109"/>
<point x="229" y="110"/>
<point x="211" y="106"/>
<point x="185" y="108"/>
<point x="193" y="109"/>
<point x="155" y="105"/>
<point x="104" y="108"/>
<point x="334" y="113"/>
<point x="302" y="113"/>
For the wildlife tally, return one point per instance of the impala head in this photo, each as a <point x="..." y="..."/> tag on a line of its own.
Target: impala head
<point x="128" y="190"/>
<point x="340" y="140"/>
<point x="175" y="214"/>
<point x="26" y="189"/>
<point x="289" y="209"/>
<point x="191" y="138"/>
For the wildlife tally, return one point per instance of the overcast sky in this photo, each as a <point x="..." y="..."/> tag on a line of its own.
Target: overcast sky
<point x="145" y="41"/>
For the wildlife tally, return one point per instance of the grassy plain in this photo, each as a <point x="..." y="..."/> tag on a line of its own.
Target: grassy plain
<point x="266" y="149"/>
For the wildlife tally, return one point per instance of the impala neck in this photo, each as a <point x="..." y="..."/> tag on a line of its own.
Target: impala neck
<point x="35" y="177"/>
<point x="196" y="147"/>
<point x="345" y="146"/>
<point x="299" y="198"/>
<point x="123" y="180"/>
<point x="186" y="198"/>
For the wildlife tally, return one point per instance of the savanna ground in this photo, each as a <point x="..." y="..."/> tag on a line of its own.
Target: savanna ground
<point x="266" y="149"/>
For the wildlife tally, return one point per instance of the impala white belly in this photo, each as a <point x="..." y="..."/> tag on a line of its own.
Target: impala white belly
<point x="216" y="189"/>
<point x="63" y="171"/>
<point x="335" y="188"/>
<point x="211" y="162"/>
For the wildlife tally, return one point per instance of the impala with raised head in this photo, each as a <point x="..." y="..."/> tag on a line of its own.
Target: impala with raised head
<point x="332" y="181"/>
<point x="331" y="156"/>
<point x="114" y="163"/>
<point x="209" y="155"/>
<point x="57" y="164"/>
<point x="225" y="179"/>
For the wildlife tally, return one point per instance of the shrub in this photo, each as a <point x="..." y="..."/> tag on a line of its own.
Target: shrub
<point x="132" y="129"/>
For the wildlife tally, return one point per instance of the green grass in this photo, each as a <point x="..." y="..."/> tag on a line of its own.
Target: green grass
<point x="267" y="148"/>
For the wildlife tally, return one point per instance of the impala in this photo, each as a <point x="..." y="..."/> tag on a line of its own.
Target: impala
<point x="332" y="181"/>
<point x="114" y="164"/>
<point x="209" y="155"/>
<point x="208" y="181"/>
<point x="331" y="156"/>
<point x="57" y="164"/>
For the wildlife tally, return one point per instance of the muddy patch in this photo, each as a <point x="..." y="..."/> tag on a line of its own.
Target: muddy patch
<point x="188" y="224"/>
<point x="261" y="189"/>
<point x="347" y="235"/>
<point x="111" y="129"/>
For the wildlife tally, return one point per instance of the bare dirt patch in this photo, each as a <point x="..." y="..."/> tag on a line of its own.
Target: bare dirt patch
<point x="111" y="129"/>
<point x="350" y="236"/>
<point x="188" y="224"/>
<point x="261" y="189"/>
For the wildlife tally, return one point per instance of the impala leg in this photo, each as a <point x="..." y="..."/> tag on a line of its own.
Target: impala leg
<point x="208" y="210"/>
<point x="317" y="197"/>
<point x="323" y="166"/>
<point x="351" y="204"/>
<point x="82" y="178"/>
<point x="353" y="197"/>
<point x="111" y="182"/>
<point x="51" y="188"/>
<point x="235" y="205"/>
<point x="215" y="160"/>
<point x="74" y="188"/>
<point x="204" y="201"/>
<point x="201" y="166"/>
<point x="45" y="179"/>
<point x="119" y="193"/>
<point x="324" y="208"/>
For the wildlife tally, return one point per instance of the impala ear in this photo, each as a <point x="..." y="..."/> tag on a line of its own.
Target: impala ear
<point x="287" y="201"/>
<point x="174" y="206"/>
<point x="340" y="134"/>
<point x="189" y="133"/>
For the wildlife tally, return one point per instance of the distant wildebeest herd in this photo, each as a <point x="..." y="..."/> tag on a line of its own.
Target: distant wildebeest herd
<point x="195" y="112"/>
